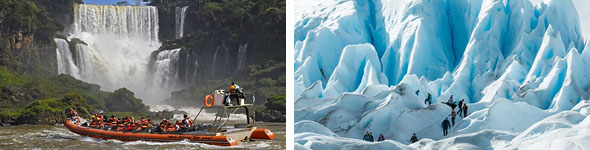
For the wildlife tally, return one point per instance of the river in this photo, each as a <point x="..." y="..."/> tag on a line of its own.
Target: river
<point x="58" y="137"/>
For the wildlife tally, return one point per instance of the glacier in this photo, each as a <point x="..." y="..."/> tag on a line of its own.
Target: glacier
<point x="368" y="65"/>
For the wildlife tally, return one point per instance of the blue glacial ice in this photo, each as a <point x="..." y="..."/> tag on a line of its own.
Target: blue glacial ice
<point x="368" y="65"/>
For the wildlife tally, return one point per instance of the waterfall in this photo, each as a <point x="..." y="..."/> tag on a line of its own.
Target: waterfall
<point x="84" y="61"/>
<point x="196" y="65"/>
<point x="242" y="54"/>
<point x="65" y="62"/>
<point x="180" y="14"/>
<point x="119" y="41"/>
<point x="215" y="57"/>
<point x="124" y="21"/>
<point x="166" y="71"/>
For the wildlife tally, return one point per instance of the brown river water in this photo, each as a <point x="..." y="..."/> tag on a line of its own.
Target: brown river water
<point x="58" y="137"/>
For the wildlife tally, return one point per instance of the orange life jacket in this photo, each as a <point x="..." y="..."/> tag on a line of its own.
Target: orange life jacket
<point x="180" y="125"/>
<point x="171" y="127"/>
<point x="232" y="88"/>
<point x="113" y="120"/>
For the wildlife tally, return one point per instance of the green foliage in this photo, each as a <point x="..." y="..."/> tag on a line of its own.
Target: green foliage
<point x="9" y="78"/>
<point x="52" y="95"/>
<point x="26" y="17"/>
<point x="124" y="100"/>
<point x="277" y="100"/>
<point x="54" y="106"/>
<point x="122" y="3"/>
<point x="266" y="82"/>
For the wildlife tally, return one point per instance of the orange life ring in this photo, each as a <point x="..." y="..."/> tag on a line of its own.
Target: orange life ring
<point x="208" y="103"/>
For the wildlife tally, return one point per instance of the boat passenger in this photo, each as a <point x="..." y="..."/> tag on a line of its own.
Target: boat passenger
<point x="179" y="126"/>
<point x="122" y="124"/>
<point x="150" y="123"/>
<point x="187" y="121"/>
<point x="75" y="117"/>
<point x="163" y="125"/>
<point x="130" y="124"/>
<point x="144" y="124"/>
<point x="112" y="121"/>
<point x="94" y="123"/>
<point x="171" y="127"/>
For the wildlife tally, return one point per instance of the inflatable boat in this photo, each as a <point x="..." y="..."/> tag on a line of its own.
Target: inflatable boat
<point x="217" y="132"/>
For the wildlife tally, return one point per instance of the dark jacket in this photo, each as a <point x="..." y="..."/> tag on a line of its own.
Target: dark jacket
<point x="414" y="139"/>
<point x="366" y="137"/>
<point x="446" y="124"/>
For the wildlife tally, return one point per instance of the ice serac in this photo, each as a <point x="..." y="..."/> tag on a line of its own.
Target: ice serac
<point x="482" y="55"/>
<point x="356" y="62"/>
<point x="408" y="36"/>
<point x="462" y="16"/>
<point x="521" y="67"/>
<point x="575" y="83"/>
<point x="325" y="31"/>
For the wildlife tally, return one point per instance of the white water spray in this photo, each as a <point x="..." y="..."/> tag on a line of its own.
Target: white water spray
<point x="120" y="40"/>
<point x="180" y="14"/>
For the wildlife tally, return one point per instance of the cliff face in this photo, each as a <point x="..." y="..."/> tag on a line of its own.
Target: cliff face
<point x="24" y="55"/>
<point x="221" y="39"/>
<point x="27" y="28"/>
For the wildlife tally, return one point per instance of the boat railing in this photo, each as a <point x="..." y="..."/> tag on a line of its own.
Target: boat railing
<point x="223" y="115"/>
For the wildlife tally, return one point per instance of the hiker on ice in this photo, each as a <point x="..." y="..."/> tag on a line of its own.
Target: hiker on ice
<point x="453" y="114"/>
<point x="381" y="138"/>
<point x="367" y="137"/>
<point x="414" y="138"/>
<point x="428" y="99"/>
<point x="464" y="110"/>
<point x="446" y="125"/>
<point x="460" y="107"/>
<point x="451" y="103"/>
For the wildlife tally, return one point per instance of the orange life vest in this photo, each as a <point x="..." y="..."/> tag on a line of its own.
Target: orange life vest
<point x="180" y="125"/>
<point x="232" y="88"/>
<point x="171" y="127"/>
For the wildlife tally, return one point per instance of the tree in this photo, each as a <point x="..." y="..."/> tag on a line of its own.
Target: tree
<point x="122" y="3"/>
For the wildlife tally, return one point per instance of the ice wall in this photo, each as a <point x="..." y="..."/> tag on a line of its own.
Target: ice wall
<point x="368" y="66"/>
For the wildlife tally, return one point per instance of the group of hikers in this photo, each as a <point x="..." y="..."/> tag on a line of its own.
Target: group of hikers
<point x="369" y="137"/>
<point x="129" y="124"/>
<point x="446" y="124"/>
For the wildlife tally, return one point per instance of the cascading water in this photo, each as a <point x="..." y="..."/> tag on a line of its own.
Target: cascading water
<point x="65" y="62"/>
<point x="180" y="14"/>
<point x="119" y="41"/>
<point x="166" y="72"/>
<point x="125" y="21"/>
<point x="196" y="65"/>
<point x="242" y="54"/>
